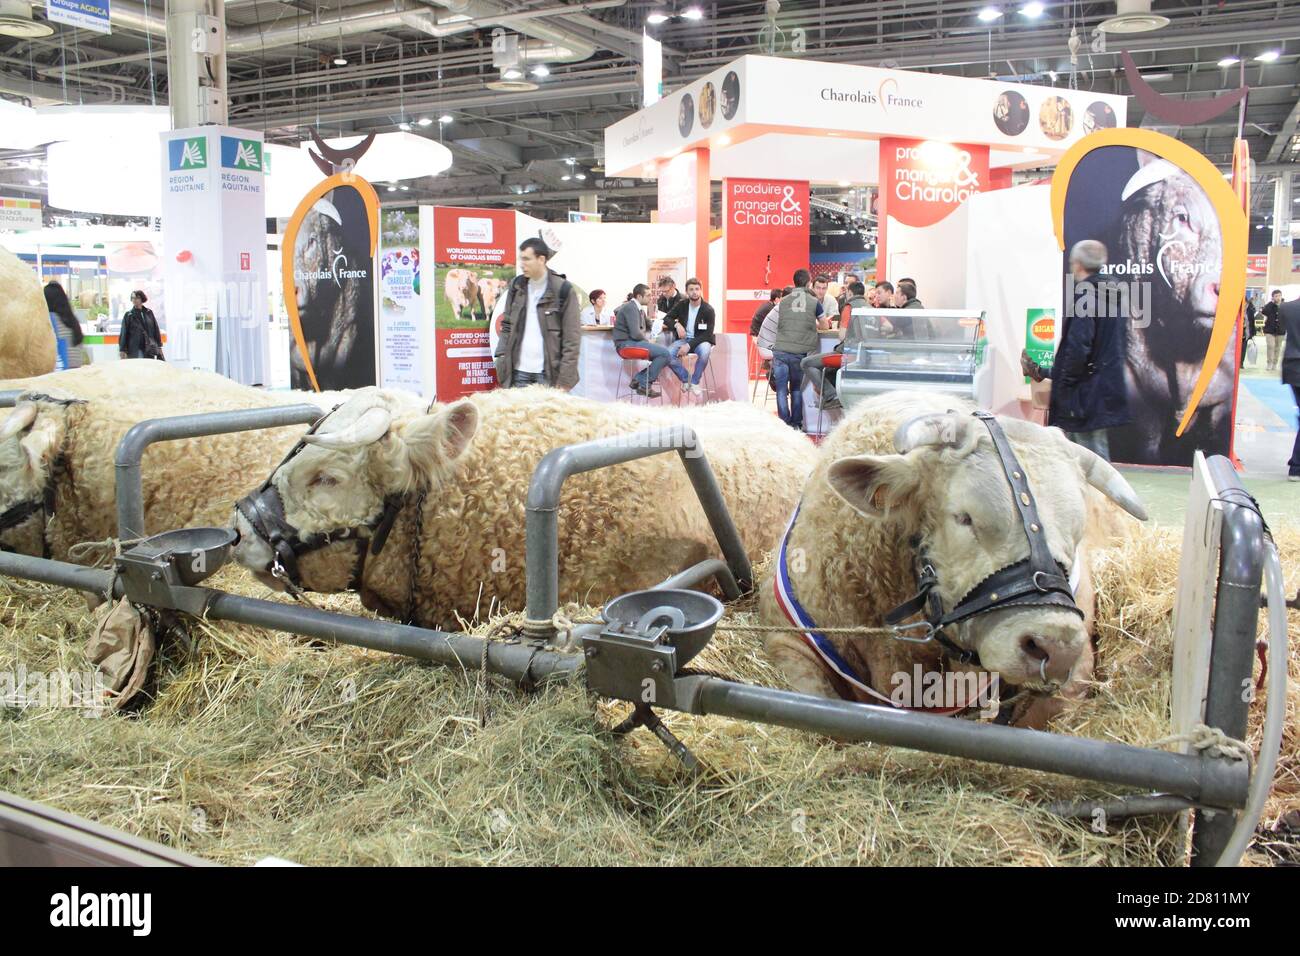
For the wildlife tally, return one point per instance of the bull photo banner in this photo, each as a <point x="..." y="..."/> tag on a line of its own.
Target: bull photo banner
<point x="1175" y="237"/>
<point x="474" y="261"/>
<point x="328" y="263"/>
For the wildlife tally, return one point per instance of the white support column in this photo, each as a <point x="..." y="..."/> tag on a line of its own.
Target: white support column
<point x="1282" y="210"/>
<point x="196" y="63"/>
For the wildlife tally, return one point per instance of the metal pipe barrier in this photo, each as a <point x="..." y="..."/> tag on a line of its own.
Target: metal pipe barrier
<point x="1209" y="781"/>
<point x="1236" y="623"/>
<point x="131" y="449"/>
<point x="9" y="397"/>
<point x="542" y="536"/>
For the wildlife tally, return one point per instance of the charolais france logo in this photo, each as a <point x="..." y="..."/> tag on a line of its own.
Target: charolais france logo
<point x="242" y="154"/>
<point x="184" y="154"/>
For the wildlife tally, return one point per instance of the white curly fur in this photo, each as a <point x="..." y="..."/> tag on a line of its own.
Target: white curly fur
<point x="187" y="483"/>
<point x="27" y="341"/>
<point x="620" y="528"/>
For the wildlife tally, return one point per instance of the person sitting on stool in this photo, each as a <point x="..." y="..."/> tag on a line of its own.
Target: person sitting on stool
<point x="630" y="332"/>
<point x="691" y="323"/>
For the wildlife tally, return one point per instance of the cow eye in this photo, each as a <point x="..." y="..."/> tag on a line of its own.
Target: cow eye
<point x="1182" y="218"/>
<point x="962" y="518"/>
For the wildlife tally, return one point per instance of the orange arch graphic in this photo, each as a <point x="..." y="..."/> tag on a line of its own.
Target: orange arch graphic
<point x="1232" y="225"/>
<point x="371" y="200"/>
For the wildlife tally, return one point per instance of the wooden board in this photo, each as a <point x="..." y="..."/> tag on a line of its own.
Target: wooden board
<point x="1194" y="601"/>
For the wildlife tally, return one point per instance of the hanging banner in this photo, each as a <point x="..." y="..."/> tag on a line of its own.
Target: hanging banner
<point x="474" y="252"/>
<point x="1175" y="236"/>
<point x="402" y="323"/>
<point x="87" y="14"/>
<point x="328" y="266"/>
<point x="765" y="230"/>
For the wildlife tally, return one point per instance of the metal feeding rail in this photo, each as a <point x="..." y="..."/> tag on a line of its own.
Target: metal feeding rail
<point x="646" y="644"/>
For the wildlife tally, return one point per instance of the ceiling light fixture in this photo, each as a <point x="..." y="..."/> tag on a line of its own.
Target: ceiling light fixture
<point x="541" y="70"/>
<point x="1230" y="61"/>
<point x="1269" y="56"/>
<point x="693" y="13"/>
<point x="989" y="14"/>
<point x="565" y="178"/>
<point x="340" y="60"/>
<point x="579" y="175"/>
<point x="445" y="118"/>
<point x="1032" y="10"/>
<point x="424" y="121"/>
<point x="404" y="127"/>
<point x="512" y="74"/>
<point x="656" y="18"/>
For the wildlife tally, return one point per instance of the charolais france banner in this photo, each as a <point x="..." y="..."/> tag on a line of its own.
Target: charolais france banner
<point x="474" y="261"/>
<point x="765" y="230"/>
<point x="328" y="261"/>
<point x="1175" y="273"/>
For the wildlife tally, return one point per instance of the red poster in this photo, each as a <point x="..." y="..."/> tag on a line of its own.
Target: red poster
<point x="677" y="188"/>
<point x="474" y="261"/>
<point x="921" y="181"/>
<point x="765" y="229"/>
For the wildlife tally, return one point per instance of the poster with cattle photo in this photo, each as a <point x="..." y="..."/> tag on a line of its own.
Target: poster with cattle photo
<point x="474" y="264"/>
<point x="1164" y="250"/>
<point x="330" y="245"/>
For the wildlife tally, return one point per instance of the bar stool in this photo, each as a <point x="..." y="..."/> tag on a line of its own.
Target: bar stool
<point x="823" y="361"/>
<point x="711" y="389"/>
<point x="634" y="355"/>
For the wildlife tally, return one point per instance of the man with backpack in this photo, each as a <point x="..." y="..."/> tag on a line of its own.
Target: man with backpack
<point x="540" y="330"/>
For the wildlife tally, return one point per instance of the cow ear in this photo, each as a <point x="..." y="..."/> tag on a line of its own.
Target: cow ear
<point x="875" y="485"/>
<point x="432" y="443"/>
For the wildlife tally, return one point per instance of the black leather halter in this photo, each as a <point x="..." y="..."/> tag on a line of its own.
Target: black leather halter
<point x="1037" y="581"/>
<point x="264" y="511"/>
<point x="43" y="504"/>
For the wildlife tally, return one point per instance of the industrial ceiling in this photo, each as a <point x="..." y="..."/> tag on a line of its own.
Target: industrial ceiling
<point x="352" y="66"/>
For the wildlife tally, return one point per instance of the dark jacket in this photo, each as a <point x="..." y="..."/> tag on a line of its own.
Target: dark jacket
<point x="140" y="336"/>
<point x="1289" y="317"/>
<point x="666" y="303"/>
<point x="796" y="329"/>
<point x="1088" y="389"/>
<point x="629" y="325"/>
<point x="704" y="322"/>
<point x="557" y="310"/>
<point x="1272" y="320"/>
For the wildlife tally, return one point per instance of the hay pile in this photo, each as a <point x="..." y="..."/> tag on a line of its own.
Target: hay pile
<point x="258" y="743"/>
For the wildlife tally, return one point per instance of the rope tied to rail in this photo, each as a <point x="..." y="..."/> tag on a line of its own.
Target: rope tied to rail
<point x="1211" y="739"/>
<point x="105" y="551"/>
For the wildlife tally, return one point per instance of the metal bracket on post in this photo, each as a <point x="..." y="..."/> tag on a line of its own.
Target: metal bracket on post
<point x="542" y="520"/>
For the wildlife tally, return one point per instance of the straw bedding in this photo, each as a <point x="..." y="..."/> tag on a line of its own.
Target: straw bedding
<point x="258" y="743"/>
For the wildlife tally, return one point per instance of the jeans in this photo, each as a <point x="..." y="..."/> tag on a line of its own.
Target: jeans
<point x="659" y="358"/>
<point x="520" y="379"/>
<point x="1097" y="441"/>
<point x="787" y="374"/>
<point x="681" y="348"/>
<point x="1293" y="466"/>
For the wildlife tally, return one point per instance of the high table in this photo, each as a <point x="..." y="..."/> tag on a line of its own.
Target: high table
<point x="602" y="374"/>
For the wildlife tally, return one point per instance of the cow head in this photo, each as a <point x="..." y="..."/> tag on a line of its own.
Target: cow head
<point x="365" y="454"/>
<point x="1169" y="224"/>
<point x="318" y="243"/>
<point x="947" y="486"/>
<point x="30" y="439"/>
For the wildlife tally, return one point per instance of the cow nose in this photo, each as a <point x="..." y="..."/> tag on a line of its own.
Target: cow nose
<point x="1047" y="658"/>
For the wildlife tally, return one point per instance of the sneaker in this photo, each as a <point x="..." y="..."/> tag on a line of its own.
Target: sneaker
<point x="653" y="393"/>
<point x="1293" y="477"/>
<point x="637" y="387"/>
<point x="687" y="387"/>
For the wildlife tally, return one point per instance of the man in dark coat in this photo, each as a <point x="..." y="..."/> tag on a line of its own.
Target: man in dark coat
<point x="139" y="336"/>
<point x="1273" y="333"/>
<point x="1289" y="315"/>
<point x="1089" y="395"/>
<point x="691" y="325"/>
